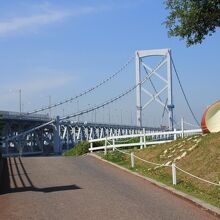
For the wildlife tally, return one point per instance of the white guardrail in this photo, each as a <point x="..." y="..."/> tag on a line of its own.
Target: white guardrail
<point x="173" y="167"/>
<point x="156" y="138"/>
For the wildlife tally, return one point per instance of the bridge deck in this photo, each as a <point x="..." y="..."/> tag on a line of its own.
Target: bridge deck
<point x="84" y="188"/>
<point x="7" y="115"/>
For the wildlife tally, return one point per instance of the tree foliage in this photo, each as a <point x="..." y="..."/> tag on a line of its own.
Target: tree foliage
<point x="192" y="19"/>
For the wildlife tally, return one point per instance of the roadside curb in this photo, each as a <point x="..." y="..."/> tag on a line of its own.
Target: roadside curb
<point x="203" y="205"/>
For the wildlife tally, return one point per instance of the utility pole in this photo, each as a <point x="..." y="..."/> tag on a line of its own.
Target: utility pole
<point x="103" y="115"/>
<point x="20" y="101"/>
<point x="50" y="105"/>
<point x="92" y="116"/>
<point x="89" y="114"/>
<point x="109" y="116"/>
<point x="78" y="110"/>
<point x="121" y="117"/>
<point x="116" y="116"/>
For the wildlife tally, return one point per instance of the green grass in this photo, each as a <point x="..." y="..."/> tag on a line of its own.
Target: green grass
<point x="202" y="159"/>
<point x="81" y="148"/>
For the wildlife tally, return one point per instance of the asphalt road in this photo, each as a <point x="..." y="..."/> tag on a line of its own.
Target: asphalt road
<point x="85" y="188"/>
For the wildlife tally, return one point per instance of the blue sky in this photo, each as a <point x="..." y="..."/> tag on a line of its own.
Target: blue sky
<point x="60" y="48"/>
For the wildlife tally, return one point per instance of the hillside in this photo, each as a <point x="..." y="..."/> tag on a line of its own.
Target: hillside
<point x="199" y="155"/>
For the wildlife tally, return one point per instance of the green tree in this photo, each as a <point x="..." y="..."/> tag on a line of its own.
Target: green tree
<point x="192" y="19"/>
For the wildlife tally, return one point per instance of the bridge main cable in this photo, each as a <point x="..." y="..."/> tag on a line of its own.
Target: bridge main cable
<point x="183" y="92"/>
<point x="86" y="91"/>
<point x="92" y="108"/>
<point x="115" y="98"/>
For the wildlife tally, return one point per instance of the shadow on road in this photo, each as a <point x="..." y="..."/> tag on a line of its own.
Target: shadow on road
<point x="14" y="173"/>
<point x="5" y="181"/>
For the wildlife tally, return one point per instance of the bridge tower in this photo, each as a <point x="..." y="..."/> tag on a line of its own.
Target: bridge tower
<point x="154" y="96"/>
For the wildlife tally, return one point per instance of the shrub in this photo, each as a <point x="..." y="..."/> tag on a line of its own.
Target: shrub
<point x="79" y="149"/>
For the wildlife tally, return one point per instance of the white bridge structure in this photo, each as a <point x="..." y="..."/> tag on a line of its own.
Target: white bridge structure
<point x="54" y="137"/>
<point x="155" y="96"/>
<point x="34" y="133"/>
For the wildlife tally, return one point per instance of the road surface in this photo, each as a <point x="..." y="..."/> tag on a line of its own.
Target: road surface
<point x="85" y="188"/>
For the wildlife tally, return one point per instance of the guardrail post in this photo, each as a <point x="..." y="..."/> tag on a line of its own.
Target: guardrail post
<point x="174" y="173"/>
<point x="175" y="136"/>
<point x="141" y="141"/>
<point x="182" y="127"/>
<point x="132" y="159"/>
<point x="91" y="147"/>
<point x="113" y="142"/>
<point x="144" y="140"/>
<point x="105" y="145"/>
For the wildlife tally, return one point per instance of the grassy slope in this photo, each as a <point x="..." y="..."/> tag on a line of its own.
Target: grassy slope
<point x="202" y="158"/>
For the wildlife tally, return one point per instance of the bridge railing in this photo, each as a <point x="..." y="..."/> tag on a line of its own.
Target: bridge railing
<point x="17" y="115"/>
<point x="144" y="139"/>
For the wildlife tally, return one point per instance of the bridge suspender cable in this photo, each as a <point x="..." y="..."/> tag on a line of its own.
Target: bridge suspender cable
<point x="92" y="108"/>
<point x="86" y="91"/>
<point x="113" y="99"/>
<point x="98" y="106"/>
<point x="109" y="101"/>
<point x="184" y="94"/>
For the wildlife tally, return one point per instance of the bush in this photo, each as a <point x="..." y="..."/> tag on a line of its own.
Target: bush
<point x="79" y="149"/>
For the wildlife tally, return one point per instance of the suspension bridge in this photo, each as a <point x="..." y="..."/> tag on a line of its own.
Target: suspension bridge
<point x="34" y="132"/>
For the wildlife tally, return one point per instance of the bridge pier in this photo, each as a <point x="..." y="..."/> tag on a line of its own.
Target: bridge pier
<point x="57" y="142"/>
<point x="154" y="95"/>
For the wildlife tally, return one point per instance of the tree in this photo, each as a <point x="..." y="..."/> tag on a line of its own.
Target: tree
<point x="192" y="19"/>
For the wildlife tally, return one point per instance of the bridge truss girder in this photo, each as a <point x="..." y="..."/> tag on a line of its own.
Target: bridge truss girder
<point x="59" y="136"/>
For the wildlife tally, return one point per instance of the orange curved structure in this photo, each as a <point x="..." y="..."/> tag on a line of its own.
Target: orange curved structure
<point x="211" y="118"/>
